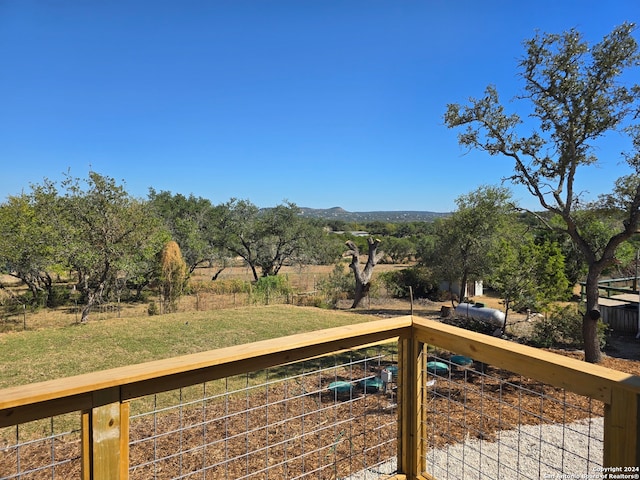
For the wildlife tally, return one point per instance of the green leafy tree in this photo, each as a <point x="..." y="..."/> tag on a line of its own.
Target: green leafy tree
<point x="459" y="250"/>
<point x="574" y="261"/>
<point x="239" y="232"/>
<point x="105" y="231"/>
<point x="414" y="229"/>
<point x="30" y="239"/>
<point x="379" y="228"/>
<point x="285" y="237"/>
<point x="629" y="256"/>
<point x="193" y="223"/>
<point x="526" y="274"/>
<point x="399" y="250"/>
<point x="268" y="239"/>
<point x="577" y="96"/>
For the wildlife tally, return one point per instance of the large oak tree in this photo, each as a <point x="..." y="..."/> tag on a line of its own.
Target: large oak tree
<point x="575" y="95"/>
<point x="29" y="238"/>
<point x="106" y="230"/>
<point x="267" y="239"/>
<point x="193" y="223"/>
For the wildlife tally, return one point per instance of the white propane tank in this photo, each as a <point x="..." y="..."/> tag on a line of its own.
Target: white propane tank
<point x="481" y="313"/>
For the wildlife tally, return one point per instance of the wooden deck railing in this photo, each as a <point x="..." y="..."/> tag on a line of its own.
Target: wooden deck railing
<point x="610" y="287"/>
<point x="102" y="398"/>
<point x="619" y="391"/>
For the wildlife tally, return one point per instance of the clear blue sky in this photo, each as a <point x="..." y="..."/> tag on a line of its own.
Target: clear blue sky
<point x="323" y="103"/>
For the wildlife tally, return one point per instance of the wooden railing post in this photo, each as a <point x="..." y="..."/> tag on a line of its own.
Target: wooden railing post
<point x="105" y="437"/>
<point x="622" y="429"/>
<point x="411" y="361"/>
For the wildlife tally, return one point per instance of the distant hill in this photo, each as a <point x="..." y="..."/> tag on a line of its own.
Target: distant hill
<point x="337" y="213"/>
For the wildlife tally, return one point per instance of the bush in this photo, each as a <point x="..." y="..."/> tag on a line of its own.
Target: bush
<point x="562" y="327"/>
<point x="269" y="287"/>
<point x="153" y="309"/>
<point x="419" y="279"/>
<point x="60" y="295"/>
<point x="57" y="296"/>
<point x="339" y="285"/>
<point x="310" y="301"/>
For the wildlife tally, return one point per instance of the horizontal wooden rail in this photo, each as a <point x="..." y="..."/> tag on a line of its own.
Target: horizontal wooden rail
<point x="629" y="290"/>
<point x="569" y="373"/>
<point x="609" y="281"/>
<point x="83" y="392"/>
<point x="608" y="286"/>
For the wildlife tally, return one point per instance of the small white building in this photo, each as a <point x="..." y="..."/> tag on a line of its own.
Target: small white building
<point x="473" y="289"/>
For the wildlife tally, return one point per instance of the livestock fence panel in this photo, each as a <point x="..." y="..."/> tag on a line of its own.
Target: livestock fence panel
<point x="488" y="423"/>
<point x="47" y="448"/>
<point x="329" y="417"/>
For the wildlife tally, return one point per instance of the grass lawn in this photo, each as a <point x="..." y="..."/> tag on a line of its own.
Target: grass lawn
<point x="35" y="356"/>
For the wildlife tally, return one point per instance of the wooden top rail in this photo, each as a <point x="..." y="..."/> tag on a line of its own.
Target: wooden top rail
<point x="613" y="280"/>
<point x="82" y="392"/>
<point x="607" y="284"/>
<point x="571" y="374"/>
<point x="617" y="289"/>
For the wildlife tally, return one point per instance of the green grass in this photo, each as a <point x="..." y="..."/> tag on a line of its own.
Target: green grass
<point x="34" y="356"/>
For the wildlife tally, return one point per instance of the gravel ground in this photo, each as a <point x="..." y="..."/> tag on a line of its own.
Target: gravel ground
<point x="532" y="452"/>
<point x="378" y="472"/>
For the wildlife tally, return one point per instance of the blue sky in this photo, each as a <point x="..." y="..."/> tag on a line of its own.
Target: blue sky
<point x="322" y="103"/>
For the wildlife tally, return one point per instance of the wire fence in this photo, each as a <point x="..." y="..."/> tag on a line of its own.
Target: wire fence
<point x="332" y="417"/>
<point x="44" y="449"/>
<point x="482" y="423"/>
<point x="20" y="317"/>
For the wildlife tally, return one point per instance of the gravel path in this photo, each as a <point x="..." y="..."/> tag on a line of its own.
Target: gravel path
<point x="532" y="452"/>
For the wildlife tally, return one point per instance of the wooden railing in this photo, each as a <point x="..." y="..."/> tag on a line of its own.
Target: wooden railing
<point x="610" y="287"/>
<point x="619" y="391"/>
<point x="103" y="398"/>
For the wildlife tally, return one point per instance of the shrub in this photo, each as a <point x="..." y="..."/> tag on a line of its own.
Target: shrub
<point x="57" y="296"/>
<point x="419" y="279"/>
<point x="562" y="327"/>
<point x="153" y="309"/>
<point x="310" y="301"/>
<point x="470" y="324"/>
<point x="339" y="285"/>
<point x="269" y="287"/>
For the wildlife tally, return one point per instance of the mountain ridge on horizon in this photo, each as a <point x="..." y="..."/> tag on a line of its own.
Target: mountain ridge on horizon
<point x="339" y="213"/>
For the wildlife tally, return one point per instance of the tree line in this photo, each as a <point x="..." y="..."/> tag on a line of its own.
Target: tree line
<point x="114" y="246"/>
<point x="109" y="241"/>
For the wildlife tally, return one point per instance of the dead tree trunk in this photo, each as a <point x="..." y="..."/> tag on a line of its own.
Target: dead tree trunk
<point x="363" y="277"/>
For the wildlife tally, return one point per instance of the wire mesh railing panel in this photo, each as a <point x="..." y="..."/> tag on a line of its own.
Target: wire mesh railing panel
<point x="44" y="449"/>
<point x="482" y="422"/>
<point x="330" y="417"/>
